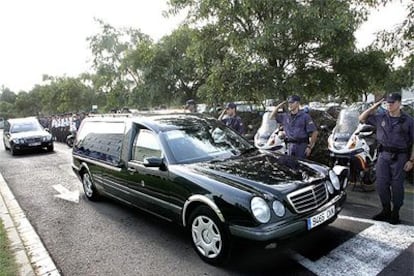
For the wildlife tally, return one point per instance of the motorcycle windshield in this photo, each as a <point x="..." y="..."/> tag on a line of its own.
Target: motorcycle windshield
<point x="267" y="127"/>
<point x="347" y="122"/>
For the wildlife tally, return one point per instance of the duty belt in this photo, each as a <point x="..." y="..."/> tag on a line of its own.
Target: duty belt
<point x="392" y="149"/>
<point x="297" y="141"/>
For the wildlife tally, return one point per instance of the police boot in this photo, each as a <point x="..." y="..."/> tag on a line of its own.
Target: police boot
<point x="384" y="215"/>
<point x="395" y="216"/>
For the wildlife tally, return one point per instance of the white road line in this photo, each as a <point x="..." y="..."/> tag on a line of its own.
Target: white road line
<point x="368" y="253"/>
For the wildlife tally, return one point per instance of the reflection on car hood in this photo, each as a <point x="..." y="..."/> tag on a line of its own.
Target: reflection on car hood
<point x="27" y="134"/>
<point x="265" y="169"/>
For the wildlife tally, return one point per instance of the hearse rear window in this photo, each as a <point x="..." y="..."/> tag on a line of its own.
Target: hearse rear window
<point x="100" y="140"/>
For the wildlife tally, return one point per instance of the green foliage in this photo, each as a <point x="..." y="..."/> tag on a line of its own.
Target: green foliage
<point x="402" y="77"/>
<point x="6" y="110"/>
<point x="8" y="264"/>
<point x="6" y="95"/>
<point x="399" y="42"/>
<point x="362" y="73"/>
<point x="115" y="72"/>
<point x="27" y="104"/>
<point x="295" y="45"/>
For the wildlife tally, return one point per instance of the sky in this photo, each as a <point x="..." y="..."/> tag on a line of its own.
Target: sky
<point x="49" y="36"/>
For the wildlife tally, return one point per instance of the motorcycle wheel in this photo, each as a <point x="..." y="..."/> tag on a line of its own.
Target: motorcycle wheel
<point x="368" y="180"/>
<point x="369" y="176"/>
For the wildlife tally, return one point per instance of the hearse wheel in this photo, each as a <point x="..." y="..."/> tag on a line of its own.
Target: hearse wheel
<point x="89" y="188"/>
<point x="209" y="236"/>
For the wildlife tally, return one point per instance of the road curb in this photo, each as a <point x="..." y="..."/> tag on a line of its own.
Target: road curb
<point x="31" y="256"/>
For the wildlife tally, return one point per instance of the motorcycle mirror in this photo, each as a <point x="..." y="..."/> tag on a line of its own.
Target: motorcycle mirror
<point x="367" y="128"/>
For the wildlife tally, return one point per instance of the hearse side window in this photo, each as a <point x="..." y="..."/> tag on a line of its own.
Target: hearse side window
<point x="145" y="145"/>
<point x="100" y="140"/>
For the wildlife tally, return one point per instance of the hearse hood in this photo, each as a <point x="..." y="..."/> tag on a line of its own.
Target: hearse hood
<point x="265" y="169"/>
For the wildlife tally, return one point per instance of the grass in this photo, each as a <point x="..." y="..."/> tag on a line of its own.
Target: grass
<point x="8" y="266"/>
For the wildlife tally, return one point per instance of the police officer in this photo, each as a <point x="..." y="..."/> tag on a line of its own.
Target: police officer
<point x="395" y="137"/>
<point x="191" y="106"/>
<point x="299" y="128"/>
<point x="232" y="120"/>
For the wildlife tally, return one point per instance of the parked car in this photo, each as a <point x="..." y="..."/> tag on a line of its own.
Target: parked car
<point x="25" y="133"/>
<point x="195" y="171"/>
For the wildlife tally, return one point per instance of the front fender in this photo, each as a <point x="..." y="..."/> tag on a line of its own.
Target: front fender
<point x="202" y="199"/>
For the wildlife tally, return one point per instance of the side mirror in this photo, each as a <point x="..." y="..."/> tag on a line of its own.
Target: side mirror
<point x="154" y="162"/>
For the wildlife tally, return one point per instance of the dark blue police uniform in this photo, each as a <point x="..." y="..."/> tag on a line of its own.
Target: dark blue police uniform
<point x="234" y="123"/>
<point x="395" y="139"/>
<point x="298" y="127"/>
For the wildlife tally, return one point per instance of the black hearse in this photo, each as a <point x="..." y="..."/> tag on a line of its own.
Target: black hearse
<point x="195" y="171"/>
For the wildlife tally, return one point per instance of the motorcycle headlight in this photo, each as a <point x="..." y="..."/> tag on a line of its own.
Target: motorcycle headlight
<point x="260" y="209"/>
<point x="334" y="180"/>
<point x="279" y="208"/>
<point x="339" y="145"/>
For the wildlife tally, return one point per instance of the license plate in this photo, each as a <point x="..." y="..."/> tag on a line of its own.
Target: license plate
<point x="321" y="217"/>
<point x="34" y="144"/>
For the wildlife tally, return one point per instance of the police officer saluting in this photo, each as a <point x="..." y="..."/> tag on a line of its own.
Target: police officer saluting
<point x="300" y="130"/>
<point x="395" y="137"/>
<point x="232" y="120"/>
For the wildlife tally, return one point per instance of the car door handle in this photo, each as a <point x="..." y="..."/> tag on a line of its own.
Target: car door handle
<point x="132" y="170"/>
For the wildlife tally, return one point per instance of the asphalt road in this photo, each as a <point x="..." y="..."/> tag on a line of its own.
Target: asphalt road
<point x="106" y="238"/>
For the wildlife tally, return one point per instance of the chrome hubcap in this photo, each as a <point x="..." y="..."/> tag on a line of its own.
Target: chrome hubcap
<point x="206" y="237"/>
<point x="87" y="185"/>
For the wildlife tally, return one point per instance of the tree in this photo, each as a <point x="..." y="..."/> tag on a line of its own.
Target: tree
<point x="27" y="104"/>
<point x="7" y="95"/>
<point x="399" y="44"/>
<point x="114" y="74"/>
<point x="363" y="72"/>
<point x="6" y="110"/>
<point x="169" y="68"/>
<point x="295" y="45"/>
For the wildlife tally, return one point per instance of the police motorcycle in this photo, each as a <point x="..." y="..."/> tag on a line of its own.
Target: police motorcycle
<point x="270" y="135"/>
<point x="354" y="145"/>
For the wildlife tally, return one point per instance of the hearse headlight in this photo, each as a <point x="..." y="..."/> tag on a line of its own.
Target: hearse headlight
<point x="345" y="183"/>
<point x="260" y="209"/>
<point x="329" y="186"/>
<point x="279" y="208"/>
<point x="334" y="180"/>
